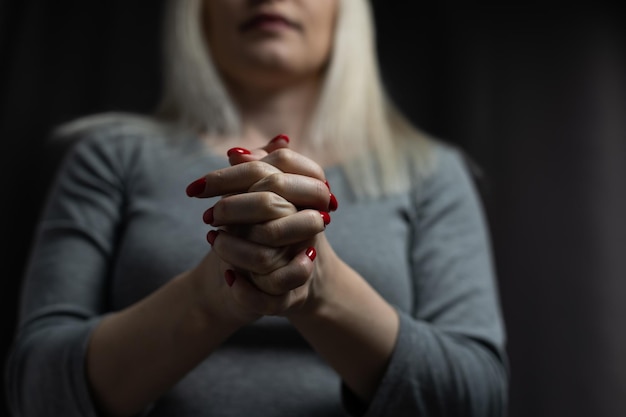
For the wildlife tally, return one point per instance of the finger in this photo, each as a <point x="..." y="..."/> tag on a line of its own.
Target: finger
<point x="231" y="180"/>
<point x="300" y="190"/>
<point x="293" y="275"/>
<point x="248" y="208"/>
<point x="254" y="299"/>
<point x="245" y="255"/>
<point x="298" y="227"/>
<point x="292" y="162"/>
<point x="277" y="154"/>
<point x="239" y="155"/>
<point x="278" y="142"/>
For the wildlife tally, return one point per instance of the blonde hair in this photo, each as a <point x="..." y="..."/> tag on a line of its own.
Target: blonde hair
<point x="353" y="110"/>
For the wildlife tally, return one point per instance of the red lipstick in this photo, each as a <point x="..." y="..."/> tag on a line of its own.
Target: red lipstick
<point x="267" y="21"/>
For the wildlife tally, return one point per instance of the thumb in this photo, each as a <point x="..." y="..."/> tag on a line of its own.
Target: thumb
<point x="280" y="141"/>
<point x="237" y="156"/>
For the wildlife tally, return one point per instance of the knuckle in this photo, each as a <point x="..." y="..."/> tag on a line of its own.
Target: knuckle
<point x="257" y="169"/>
<point x="269" y="233"/>
<point x="314" y="220"/>
<point x="269" y="181"/>
<point x="275" y="180"/>
<point x="279" y="205"/>
<point x="267" y="199"/>
<point x="273" y="206"/>
<point x="283" y="156"/>
<point x="263" y="259"/>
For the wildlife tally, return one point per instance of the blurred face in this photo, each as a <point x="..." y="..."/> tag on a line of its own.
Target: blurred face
<point x="270" y="42"/>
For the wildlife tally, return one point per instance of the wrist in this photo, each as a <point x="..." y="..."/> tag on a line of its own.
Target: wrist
<point x="210" y="297"/>
<point x="326" y="287"/>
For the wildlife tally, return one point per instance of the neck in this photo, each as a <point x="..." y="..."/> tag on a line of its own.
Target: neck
<point x="266" y="113"/>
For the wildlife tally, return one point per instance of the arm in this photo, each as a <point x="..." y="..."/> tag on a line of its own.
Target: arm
<point x="447" y="356"/>
<point x="70" y="357"/>
<point x="137" y="354"/>
<point x="352" y="326"/>
<point x="347" y="331"/>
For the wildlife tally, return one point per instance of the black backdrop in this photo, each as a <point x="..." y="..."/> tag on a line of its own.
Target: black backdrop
<point x="536" y="95"/>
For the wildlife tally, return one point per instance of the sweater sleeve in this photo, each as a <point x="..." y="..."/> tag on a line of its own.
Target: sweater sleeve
<point x="449" y="357"/>
<point x="65" y="287"/>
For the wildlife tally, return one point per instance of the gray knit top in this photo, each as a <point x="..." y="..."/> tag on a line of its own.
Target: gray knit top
<point x="118" y="225"/>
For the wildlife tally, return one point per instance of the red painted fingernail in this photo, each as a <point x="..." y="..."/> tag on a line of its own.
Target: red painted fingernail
<point x="230" y="277"/>
<point x="311" y="253"/>
<point x="332" y="204"/>
<point x="207" y="217"/>
<point x="196" y="187"/>
<point x="327" y="184"/>
<point x="237" y="151"/>
<point x="211" y="236"/>
<point x="325" y="217"/>
<point x="279" y="137"/>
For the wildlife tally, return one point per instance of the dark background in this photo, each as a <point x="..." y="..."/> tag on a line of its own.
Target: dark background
<point x="536" y="95"/>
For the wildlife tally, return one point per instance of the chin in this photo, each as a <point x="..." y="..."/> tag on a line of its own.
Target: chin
<point x="277" y="60"/>
<point x="273" y="63"/>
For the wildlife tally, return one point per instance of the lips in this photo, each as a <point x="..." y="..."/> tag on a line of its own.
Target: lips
<point x="268" y="21"/>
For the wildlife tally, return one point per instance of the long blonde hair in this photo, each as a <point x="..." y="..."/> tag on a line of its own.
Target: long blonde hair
<point x="353" y="110"/>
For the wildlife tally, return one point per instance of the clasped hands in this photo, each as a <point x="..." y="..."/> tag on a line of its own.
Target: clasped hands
<point x="271" y="216"/>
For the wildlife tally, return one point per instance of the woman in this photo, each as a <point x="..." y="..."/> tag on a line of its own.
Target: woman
<point x="390" y="310"/>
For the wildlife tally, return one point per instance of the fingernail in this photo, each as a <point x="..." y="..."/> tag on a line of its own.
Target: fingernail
<point x="279" y="137"/>
<point x="325" y="217"/>
<point x="207" y="217"/>
<point x="327" y="185"/>
<point x="332" y="204"/>
<point x="211" y="236"/>
<point x="196" y="187"/>
<point x="237" y="151"/>
<point x="230" y="277"/>
<point x="311" y="253"/>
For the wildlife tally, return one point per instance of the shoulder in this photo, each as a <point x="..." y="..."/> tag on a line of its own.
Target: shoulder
<point x="450" y="163"/>
<point x="448" y="159"/>
<point x="452" y="173"/>
<point x="112" y="146"/>
<point x="112" y="127"/>
<point x="119" y="138"/>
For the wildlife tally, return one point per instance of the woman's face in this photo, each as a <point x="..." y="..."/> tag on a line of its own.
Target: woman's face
<point x="267" y="43"/>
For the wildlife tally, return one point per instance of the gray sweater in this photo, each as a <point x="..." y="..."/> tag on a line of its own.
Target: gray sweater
<point x="118" y="225"/>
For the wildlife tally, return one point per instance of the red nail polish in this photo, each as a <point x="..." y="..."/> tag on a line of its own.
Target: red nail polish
<point x="332" y="204"/>
<point x="207" y="217"/>
<point x="325" y="217"/>
<point x="237" y="151"/>
<point x="279" y="137"/>
<point x="196" y="187"/>
<point x="211" y="236"/>
<point x="311" y="253"/>
<point x="230" y="277"/>
<point x="327" y="185"/>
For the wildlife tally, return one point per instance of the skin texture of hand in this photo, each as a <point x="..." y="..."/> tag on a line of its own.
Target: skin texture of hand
<point x="342" y="317"/>
<point x="137" y="354"/>
<point x="268" y="252"/>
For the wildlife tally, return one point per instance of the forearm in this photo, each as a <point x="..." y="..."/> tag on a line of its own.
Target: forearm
<point x="354" y="329"/>
<point x="135" y="355"/>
